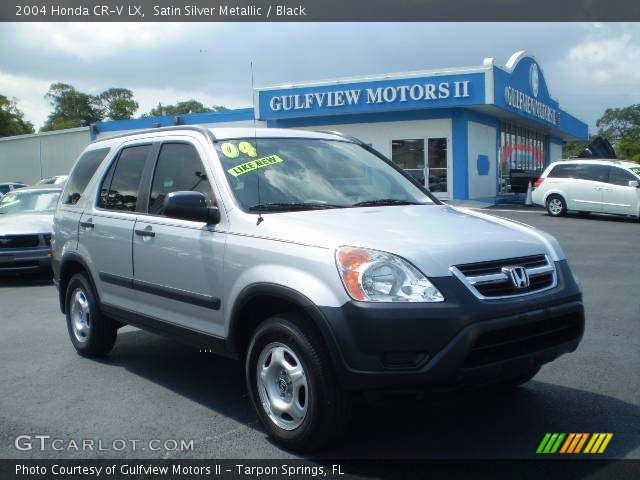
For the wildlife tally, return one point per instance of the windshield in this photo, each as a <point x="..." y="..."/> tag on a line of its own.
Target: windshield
<point x="27" y="202"/>
<point x="302" y="173"/>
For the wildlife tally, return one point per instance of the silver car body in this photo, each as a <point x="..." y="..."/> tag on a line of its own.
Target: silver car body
<point x="293" y="249"/>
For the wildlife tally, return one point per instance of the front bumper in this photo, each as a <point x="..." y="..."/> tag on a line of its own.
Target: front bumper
<point x="459" y="342"/>
<point x="25" y="260"/>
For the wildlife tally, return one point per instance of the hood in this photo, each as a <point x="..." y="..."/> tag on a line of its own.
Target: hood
<point x="26" y="223"/>
<point x="432" y="237"/>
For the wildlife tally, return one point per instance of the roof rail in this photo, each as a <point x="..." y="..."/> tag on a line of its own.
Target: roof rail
<point x="343" y="135"/>
<point x="195" y="128"/>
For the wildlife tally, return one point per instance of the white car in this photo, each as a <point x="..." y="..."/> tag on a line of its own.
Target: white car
<point x="600" y="186"/>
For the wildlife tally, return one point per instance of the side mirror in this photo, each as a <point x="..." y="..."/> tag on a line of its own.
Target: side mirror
<point x="190" y="206"/>
<point x="634" y="183"/>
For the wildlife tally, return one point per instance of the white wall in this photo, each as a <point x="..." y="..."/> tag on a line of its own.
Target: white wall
<point x="380" y="135"/>
<point x="238" y="124"/>
<point x="482" y="141"/>
<point x="28" y="158"/>
<point x="555" y="152"/>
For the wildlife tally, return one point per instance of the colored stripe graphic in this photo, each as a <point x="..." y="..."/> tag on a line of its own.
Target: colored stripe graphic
<point x="573" y="443"/>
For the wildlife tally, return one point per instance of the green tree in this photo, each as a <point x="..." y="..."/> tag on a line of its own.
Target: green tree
<point x="621" y="126"/>
<point x="71" y="108"/>
<point x="189" y="106"/>
<point x="118" y="103"/>
<point x="12" y="119"/>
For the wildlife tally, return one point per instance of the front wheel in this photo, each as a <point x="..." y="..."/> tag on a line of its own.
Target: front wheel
<point x="556" y="206"/>
<point x="292" y="385"/>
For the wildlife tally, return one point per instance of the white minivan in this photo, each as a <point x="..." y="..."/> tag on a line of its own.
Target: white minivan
<point x="600" y="186"/>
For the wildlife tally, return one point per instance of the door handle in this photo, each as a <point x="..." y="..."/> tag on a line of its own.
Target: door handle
<point x="145" y="233"/>
<point x="87" y="224"/>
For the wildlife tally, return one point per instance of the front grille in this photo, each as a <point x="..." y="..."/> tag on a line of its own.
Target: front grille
<point x="487" y="279"/>
<point x="19" y="241"/>
<point x="511" y="342"/>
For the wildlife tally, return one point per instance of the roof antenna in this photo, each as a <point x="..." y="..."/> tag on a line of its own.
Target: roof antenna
<point x="255" y="140"/>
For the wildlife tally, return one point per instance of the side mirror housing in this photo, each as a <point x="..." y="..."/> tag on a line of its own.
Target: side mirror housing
<point x="634" y="183"/>
<point x="190" y="206"/>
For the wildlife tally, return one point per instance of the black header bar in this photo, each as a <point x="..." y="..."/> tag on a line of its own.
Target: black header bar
<point x="319" y="10"/>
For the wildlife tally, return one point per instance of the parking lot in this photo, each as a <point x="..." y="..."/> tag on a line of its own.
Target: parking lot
<point x="153" y="388"/>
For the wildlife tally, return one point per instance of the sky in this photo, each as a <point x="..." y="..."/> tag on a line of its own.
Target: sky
<point x="588" y="66"/>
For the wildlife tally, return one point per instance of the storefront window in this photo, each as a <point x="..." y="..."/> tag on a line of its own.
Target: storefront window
<point x="437" y="159"/>
<point x="522" y="156"/>
<point x="409" y="155"/>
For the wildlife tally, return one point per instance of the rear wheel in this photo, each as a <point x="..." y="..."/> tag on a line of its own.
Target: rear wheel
<point x="292" y="385"/>
<point x="556" y="206"/>
<point x="91" y="333"/>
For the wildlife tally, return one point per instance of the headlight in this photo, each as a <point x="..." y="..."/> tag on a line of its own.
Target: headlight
<point x="374" y="276"/>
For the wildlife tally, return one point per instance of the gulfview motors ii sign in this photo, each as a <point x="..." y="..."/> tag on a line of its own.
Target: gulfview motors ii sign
<point x="525" y="103"/>
<point x="381" y="95"/>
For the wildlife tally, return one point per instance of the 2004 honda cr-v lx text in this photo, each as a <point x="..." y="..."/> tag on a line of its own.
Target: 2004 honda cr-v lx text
<point x="311" y="258"/>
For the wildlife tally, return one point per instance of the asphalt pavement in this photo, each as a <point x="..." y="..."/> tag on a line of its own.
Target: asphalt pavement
<point x="154" y="388"/>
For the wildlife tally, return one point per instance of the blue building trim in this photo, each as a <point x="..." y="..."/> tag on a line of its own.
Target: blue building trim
<point x="235" y="115"/>
<point x="400" y="116"/>
<point x="460" y="156"/>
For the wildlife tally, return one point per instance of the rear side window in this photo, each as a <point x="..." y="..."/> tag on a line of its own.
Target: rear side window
<point x="179" y="168"/>
<point x="618" y="176"/>
<point x="562" y="171"/>
<point x="120" y="187"/>
<point x="85" y="167"/>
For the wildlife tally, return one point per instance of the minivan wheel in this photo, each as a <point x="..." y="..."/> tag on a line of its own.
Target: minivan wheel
<point x="556" y="206"/>
<point x="292" y="386"/>
<point x="91" y="333"/>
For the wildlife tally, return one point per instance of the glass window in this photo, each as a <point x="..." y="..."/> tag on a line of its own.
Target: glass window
<point x="563" y="171"/>
<point x="123" y="179"/>
<point x="179" y="168"/>
<point x="311" y="173"/>
<point x="618" y="176"/>
<point x="83" y="171"/>
<point x="595" y="173"/>
<point x="437" y="158"/>
<point x="29" y="201"/>
<point x="409" y="155"/>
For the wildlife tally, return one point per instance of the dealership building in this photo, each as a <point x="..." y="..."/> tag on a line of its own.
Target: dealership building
<point x="467" y="132"/>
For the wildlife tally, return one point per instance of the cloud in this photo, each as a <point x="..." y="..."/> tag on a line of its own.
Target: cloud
<point x="35" y="107"/>
<point x="90" y="40"/>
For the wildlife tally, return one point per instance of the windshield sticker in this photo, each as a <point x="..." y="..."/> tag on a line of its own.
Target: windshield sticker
<point x="231" y="150"/>
<point x="254" y="165"/>
<point x="636" y="170"/>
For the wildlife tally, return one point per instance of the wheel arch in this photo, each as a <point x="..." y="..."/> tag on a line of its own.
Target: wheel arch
<point x="257" y="302"/>
<point x="71" y="264"/>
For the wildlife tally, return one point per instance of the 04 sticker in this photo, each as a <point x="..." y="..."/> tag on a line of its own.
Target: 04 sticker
<point x="231" y="150"/>
<point x="254" y="165"/>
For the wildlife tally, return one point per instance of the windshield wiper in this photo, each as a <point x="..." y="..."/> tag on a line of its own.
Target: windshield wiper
<point x="265" y="207"/>
<point x="385" y="201"/>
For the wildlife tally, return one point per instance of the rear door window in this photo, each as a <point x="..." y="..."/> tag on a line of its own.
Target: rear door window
<point x="86" y="166"/>
<point x="595" y="173"/>
<point x="123" y="180"/>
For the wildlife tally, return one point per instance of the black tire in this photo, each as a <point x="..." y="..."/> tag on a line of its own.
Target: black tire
<point x="327" y="405"/>
<point x="520" y="379"/>
<point x="99" y="336"/>
<point x="556" y="206"/>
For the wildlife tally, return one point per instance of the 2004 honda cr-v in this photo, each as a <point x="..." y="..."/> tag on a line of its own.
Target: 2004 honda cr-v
<point x="309" y="256"/>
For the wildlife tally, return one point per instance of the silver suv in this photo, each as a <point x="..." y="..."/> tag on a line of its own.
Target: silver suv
<point x="311" y="258"/>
